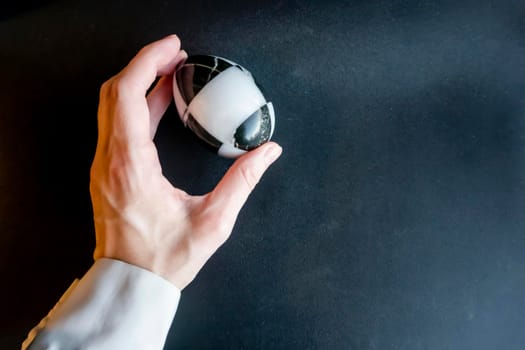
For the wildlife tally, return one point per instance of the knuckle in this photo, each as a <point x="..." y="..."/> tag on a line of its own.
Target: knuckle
<point x="223" y="229"/>
<point x="221" y="233"/>
<point x="115" y="88"/>
<point x="144" y="49"/>
<point x="104" y="88"/>
<point x="120" y="85"/>
<point x="111" y="87"/>
<point x="249" y="175"/>
<point x="222" y="237"/>
<point x="217" y="228"/>
<point x="92" y="172"/>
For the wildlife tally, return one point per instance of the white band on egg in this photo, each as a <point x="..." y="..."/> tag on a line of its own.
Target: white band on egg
<point x="225" y="102"/>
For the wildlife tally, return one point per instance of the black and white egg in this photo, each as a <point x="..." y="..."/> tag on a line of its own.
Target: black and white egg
<point x="221" y="103"/>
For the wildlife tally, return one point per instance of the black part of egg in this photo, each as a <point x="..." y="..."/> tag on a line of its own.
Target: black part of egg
<point x="192" y="78"/>
<point x="209" y="61"/>
<point x="194" y="125"/>
<point x="255" y="130"/>
<point x="197" y="71"/>
<point x="185" y="83"/>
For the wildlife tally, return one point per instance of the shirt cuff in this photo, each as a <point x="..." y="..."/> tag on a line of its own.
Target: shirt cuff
<point x="114" y="306"/>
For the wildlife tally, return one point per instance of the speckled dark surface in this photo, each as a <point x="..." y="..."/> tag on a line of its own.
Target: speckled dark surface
<point x="394" y="219"/>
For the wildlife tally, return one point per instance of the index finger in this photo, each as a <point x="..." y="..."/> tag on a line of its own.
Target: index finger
<point x="155" y="59"/>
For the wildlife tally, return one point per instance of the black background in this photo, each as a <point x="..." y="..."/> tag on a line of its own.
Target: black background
<point x="394" y="218"/>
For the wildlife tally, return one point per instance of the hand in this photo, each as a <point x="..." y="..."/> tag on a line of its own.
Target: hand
<point x="140" y="218"/>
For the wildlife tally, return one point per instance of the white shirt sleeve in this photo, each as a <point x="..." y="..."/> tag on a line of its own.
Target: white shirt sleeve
<point x="114" y="306"/>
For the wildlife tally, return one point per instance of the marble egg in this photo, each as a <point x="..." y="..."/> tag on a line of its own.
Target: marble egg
<point x="220" y="102"/>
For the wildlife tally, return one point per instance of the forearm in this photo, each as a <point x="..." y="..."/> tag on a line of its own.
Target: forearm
<point x="114" y="306"/>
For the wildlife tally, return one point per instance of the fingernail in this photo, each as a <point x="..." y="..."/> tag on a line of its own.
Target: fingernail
<point x="272" y="153"/>
<point x="171" y="36"/>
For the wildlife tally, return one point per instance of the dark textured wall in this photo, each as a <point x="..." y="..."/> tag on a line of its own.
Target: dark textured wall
<point x="393" y="220"/>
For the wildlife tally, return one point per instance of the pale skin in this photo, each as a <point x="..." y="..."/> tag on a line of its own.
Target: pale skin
<point x="140" y="218"/>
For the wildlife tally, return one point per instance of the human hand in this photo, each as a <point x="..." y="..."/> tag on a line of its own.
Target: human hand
<point x="140" y="218"/>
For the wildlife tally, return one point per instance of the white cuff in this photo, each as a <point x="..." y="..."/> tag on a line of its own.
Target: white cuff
<point x="114" y="306"/>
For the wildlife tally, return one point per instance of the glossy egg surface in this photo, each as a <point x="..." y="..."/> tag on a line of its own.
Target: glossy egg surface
<point x="220" y="102"/>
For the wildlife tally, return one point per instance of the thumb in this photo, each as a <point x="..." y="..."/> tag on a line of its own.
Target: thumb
<point x="233" y="190"/>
